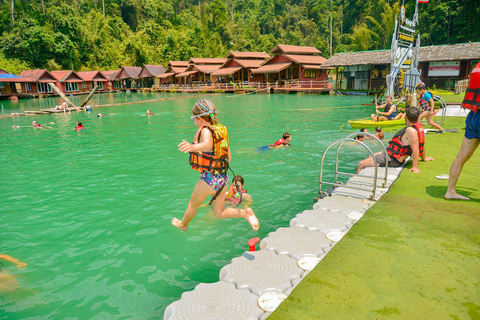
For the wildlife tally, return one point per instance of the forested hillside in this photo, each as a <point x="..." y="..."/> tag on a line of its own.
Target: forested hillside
<point x="108" y="34"/>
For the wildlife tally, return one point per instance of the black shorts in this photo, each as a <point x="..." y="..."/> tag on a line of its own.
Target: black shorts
<point x="392" y="163"/>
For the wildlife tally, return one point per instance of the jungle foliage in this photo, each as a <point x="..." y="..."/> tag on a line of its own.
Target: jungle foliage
<point x="108" y="34"/>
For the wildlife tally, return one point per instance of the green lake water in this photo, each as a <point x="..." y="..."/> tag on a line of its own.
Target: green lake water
<point x="90" y="212"/>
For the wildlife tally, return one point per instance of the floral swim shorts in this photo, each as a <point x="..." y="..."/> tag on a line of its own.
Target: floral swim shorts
<point x="214" y="180"/>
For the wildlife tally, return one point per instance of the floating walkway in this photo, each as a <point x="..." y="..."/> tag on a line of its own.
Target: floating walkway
<point x="253" y="285"/>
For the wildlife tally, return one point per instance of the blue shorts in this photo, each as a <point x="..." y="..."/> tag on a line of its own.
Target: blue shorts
<point x="214" y="180"/>
<point x="392" y="116"/>
<point x="472" y="129"/>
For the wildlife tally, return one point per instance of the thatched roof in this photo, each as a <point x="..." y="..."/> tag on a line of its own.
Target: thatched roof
<point x="463" y="51"/>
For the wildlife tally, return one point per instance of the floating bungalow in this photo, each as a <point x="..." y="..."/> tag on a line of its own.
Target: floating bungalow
<point x="200" y="69"/>
<point x="111" y="77"/>
<point x="38" y="83"/>
<point x="238" y="67"/>
<point x="173" y="68"/>
<point x="10" y="84"/>
<point x="441" y="66"/>
<point x="92" y="79"/>
<point x="149" y="75"/>
<point x="295" y="68"/>
<point x="128" y="77"/>
<point x="67" y="81"/>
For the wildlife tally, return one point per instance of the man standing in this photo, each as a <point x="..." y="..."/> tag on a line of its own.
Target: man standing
<point x="472" y="133"/>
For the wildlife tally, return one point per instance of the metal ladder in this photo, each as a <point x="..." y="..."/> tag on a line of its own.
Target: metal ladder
<point x="336" y="183"/>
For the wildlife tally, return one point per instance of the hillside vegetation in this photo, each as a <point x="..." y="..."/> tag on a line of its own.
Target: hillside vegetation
<point x="108" y="34"/>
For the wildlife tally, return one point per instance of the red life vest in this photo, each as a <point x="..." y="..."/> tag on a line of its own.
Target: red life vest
<point x="78" y="128"/>
<point x="472" y="96"/>
<point x="396" y="149"/>
<point x="216" y="161"/>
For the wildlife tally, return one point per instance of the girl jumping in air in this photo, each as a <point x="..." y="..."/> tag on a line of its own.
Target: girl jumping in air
<point x="210" y="155"/>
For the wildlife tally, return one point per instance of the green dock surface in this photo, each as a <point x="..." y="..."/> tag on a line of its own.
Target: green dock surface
<point x="414" y="255"/>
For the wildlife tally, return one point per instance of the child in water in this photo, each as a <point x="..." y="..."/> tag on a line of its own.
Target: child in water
<point x="284" y="142"/>
<point x="79" y="126"/>
<point x="210" y="154"/>
<point x="149" y="112"/>
<point x="236" y="194"/>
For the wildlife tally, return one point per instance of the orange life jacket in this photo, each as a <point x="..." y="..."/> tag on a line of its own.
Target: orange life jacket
<point x="396" y="149"/>
<point x="216" y="161"/>
<point x="472" y="96"/>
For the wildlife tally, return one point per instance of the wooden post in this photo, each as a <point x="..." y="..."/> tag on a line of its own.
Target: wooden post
<point x="89" y="96"/>
<point x="60" y="93"/>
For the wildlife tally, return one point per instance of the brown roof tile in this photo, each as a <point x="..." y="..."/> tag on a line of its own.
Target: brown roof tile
<point x="272" y="68"/>
<point x="178" y="64"/>
<point x="287" y="49"/>
<point x="150" y="70"/>
<point x="248" y="55"/>
<point x="206" y="68"/>
<point x="110" y="75"/>
<point x="39" y="75"/>
<point x="464" y="51"/>
<point x="91" y="76"/>
<point x="305" y="59"/>
<point x="129" y="73"/>
<point x="249" y="63"/>
<point x="208" y="60"/>
<point x="226" y="71"/>
<point x="66" y="76"/>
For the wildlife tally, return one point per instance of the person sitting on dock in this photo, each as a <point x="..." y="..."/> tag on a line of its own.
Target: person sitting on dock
<point x="379" y="133"/>
<point x="79" y="126"/>
<point x="282" y="143"/>
<point x="408" y="141"/>
<point x="149" y="112"/>
<point x="63" y="106"/>
<point x="389" y="112"/>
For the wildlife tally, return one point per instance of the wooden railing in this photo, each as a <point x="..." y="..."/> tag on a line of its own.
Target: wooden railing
<point x="228" y="86"/>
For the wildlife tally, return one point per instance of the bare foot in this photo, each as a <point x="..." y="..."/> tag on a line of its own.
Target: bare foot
<point x="252" y="219"/>
<point x="178" y="223"/>
<point x="455" y="196"/>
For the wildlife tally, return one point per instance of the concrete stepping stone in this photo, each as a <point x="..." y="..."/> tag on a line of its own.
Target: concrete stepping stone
<point x="359" y="194"/>
<point x="342" y="204"/>
<point x="261" y="271"/>
<point x="392" y="173"/>
<point x="219" y="300"/>
<point x="322" y="220"/>
<point x="296" y="242"/>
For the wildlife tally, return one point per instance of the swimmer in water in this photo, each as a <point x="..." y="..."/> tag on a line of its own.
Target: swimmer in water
<point x="79" y="126"/>
<point x="149" y="112"/>
<point x="282" y="143"/>
<point x="210" y="155"/>
<point x="35" y="124"/>
<point x="236" y="194"/>
<point x="9" y="282"/>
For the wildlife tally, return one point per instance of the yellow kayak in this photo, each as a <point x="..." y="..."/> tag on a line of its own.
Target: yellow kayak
<point x="357" y="124"/>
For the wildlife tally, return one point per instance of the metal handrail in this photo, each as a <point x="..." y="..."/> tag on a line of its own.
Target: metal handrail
<point x="341" y="141"/>
<point x="387" y="157"/>
<point x="444" y="108"/>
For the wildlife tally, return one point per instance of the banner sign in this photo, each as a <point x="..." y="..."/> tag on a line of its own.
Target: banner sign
<point x="444" y="69"/>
